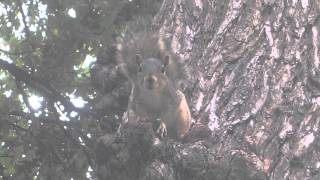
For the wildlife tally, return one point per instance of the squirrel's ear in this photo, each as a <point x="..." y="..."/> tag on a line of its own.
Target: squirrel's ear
<point x="166" y="62"/>
<point x="138" y="61"/>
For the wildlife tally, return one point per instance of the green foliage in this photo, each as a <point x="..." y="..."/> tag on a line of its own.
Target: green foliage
<point x="47" y="44"/>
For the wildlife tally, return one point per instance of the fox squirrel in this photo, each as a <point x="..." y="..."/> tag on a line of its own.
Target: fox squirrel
<point x="155" y="96"/>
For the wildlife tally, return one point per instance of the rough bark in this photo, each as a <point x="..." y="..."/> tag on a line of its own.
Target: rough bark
<point x="254" y="84"/>
<point x="253" y="91"/>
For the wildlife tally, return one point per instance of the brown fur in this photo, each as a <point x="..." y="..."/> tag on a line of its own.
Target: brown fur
<point x="161" y="101"/>
<point x="155" y="97"/>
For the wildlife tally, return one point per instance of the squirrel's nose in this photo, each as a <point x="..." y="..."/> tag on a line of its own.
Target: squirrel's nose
<point x="150" y="81"/>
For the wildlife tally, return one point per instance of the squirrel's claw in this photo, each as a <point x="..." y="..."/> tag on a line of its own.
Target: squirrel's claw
<point x="162" y="130"/>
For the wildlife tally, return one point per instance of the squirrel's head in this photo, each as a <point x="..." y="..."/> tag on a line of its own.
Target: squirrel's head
<point x="151" y="72"/>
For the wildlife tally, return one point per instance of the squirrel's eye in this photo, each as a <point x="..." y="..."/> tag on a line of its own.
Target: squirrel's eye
<point x="138" y="61"/>
<point x="165" y="64"/>
<point x="163" y="69"/>
<point x="139" y="68"/>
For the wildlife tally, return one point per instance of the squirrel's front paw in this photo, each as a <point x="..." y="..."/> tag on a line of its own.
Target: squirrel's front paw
<point x="162" y="130"/>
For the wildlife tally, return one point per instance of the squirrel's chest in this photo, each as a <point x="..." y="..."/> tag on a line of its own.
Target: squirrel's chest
<point x="151" y="103"/>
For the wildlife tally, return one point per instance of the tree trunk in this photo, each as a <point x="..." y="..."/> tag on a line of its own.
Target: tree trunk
<point x="255" y="85"/>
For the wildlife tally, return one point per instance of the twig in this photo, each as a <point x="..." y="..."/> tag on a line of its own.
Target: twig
<point x="40" y="85"/>
<point x="24" y="19"/>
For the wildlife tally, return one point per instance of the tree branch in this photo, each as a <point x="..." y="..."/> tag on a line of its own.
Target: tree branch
<point x="40" y="85"/>
<point x="24" y="19"/>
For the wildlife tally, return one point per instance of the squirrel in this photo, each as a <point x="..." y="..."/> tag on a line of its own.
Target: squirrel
<point x="154" y="74"/>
